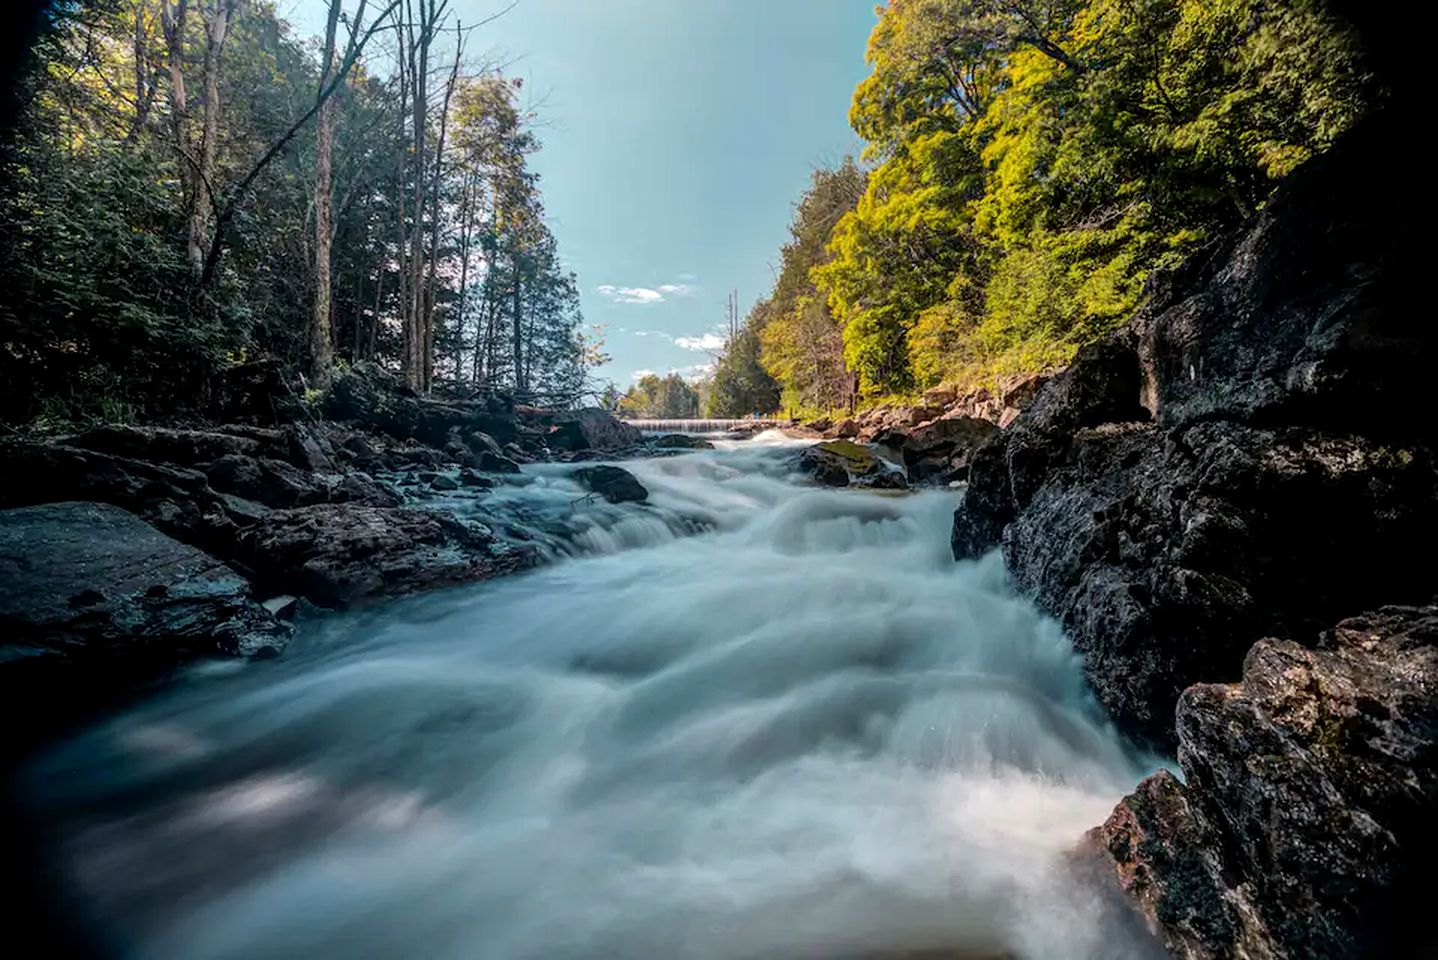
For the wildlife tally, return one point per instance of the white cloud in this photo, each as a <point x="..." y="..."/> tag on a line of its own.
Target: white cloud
<point x="638" y="375"/>
<point x="629" y="294"/>
<point x="709" y="341"/>
<point x="643" y="295"/>
<point x="696" y="371"/>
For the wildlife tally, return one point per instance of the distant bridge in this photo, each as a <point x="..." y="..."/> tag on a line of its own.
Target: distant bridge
<point x="704" y="426"/>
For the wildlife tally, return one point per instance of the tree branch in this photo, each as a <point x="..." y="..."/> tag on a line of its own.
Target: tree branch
<point x="222" y="219"/>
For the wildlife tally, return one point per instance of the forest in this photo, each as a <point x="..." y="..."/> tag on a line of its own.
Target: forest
<point x="1029" y="165"/>
<point x="189" y="189"/>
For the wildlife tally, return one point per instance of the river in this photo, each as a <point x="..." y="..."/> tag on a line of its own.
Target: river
<point x="752" y="719"/>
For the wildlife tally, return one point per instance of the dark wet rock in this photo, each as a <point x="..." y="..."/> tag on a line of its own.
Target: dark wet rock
<point x="309" y="450"/>
<point x="271" y="482"/>
<point x="614" y="484"/>
<point x="479" y="441"/>
<point x="591" y="428"/>
<point x="886" y="480"/>
<point x="469" y="478"/>
<point x="183" y="448"/>
<point x="940" y="451"/>
<point x="495" y="463"/>
<point x="1240" y="461"/>
<point x="837" y="463"/>
<point x="94" y="585"/>
<point x="363" y="448"/>
<point x="369" y="395"/>
<point x="336" y="555"/>
<point x="1304" y="825"/>
<point x="682" y="441"/>
<point x="444" y="483"/>
<point x="177" y="500"/>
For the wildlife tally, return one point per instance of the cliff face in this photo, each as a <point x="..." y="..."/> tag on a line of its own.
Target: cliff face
<point x="1253" y="457"/>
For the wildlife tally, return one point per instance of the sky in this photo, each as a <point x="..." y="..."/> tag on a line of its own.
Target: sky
<point x="677" y="135"/>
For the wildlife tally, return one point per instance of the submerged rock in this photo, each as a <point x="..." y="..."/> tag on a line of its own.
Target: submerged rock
<point x="1304" y="827"/>
<point x="92" y="584"/>
<point x="614" y="484"/>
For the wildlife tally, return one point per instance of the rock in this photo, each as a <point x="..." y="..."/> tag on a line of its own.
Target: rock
<point x="469" y="478"/>
<point x="478" y="440"/>
<point x="939" y="451"/>
<point x="836" y="463"/>
<point x="940" y="396"/>
<point x="93" y="585"/>
<point x="496" y="463"/>
<point x="1304" y="827"/>
<point x="370" y="395"/>
<point x="443" y="482"/>
<point x="184" y="448"/>
<point x="681" y="441"/>
<point x="273" y="483"/>
<point x="337" y="555"/>
<point x="887" y="480"/>
<point x="819" y="424"/>
<point x="413" y="456"/>
<point x="612" y="483"/>
<point x="1019" y="394"/>
<point x="1231" y="466"/>
<point x="363" y="447"/>
<point x="308" y="450"/>
<point x="846" y="429"/>
<point x="593" y="429"/>
<point x="177" y="500"/>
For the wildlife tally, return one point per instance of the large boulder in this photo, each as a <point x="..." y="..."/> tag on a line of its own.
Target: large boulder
<point x="338" y="555"/>
<point x="614" y="484"/>
<point x="1241" y="461"/>
<point x="837" y="463"/>
<point x="1304" y="824"/>
<point x="94" y="585"/>
<point x="177" y="500"/>
<point x="940" y="451"/>
<point x="184" y="448"/>
<point x="591" y="429"/>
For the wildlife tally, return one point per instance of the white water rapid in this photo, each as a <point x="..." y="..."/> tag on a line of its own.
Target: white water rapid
<point x="802" y="732"/>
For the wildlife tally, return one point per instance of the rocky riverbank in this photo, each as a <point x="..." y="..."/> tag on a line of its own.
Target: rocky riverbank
<point x="1198" y="499"/>
<point x="126" y="551"/>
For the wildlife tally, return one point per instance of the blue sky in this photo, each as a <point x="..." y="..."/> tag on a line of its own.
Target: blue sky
<point x="677" y="134"/>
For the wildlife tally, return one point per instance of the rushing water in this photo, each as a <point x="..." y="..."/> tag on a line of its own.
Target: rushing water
<point x="801" y="732"/>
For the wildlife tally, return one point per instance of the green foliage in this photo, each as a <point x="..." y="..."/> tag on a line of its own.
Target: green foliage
<point x="102" y="314"/>
<point x="663" y="398"/>
<point x="1036" y="161"/>
<point x="740" y="385"/>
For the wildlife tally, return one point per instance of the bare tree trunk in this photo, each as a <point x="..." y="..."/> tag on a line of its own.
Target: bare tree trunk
<point x="514" y="309"/>
<point x="144" y="77"/>
<point x="437" y="177"/>
<point x="418" y="53"/>
<point x="322" y="350"/>
<point x="217" y="28"/>
<point x="466" y="231"/>
<point x="175" y="20"/>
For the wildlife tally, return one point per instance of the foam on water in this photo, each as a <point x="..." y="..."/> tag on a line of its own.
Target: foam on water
<point x="803" y="733"/>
